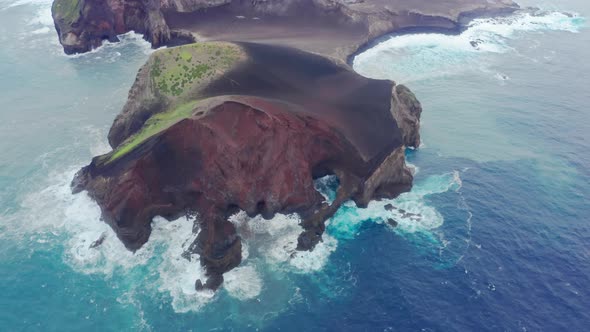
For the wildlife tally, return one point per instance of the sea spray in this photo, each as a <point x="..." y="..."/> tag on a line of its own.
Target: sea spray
<point x="410" y="211"/>
<point x="327" y="186"/>
<point x="243" y="282"/>
<point x="275" y="240"/>
<point x="53" y="215"/>
<point x="418" y="56"/>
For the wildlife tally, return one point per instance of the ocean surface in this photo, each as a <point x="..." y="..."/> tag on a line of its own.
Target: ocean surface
<point x="502" y="184"/>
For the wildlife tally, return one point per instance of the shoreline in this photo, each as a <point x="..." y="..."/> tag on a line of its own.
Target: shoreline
<point x="462" y="26"/>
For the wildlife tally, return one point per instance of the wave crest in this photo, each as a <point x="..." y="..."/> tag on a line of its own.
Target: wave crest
<point x="417" y="56"/>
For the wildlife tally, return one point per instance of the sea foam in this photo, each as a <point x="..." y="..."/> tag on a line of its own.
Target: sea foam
<point x="411" y="211"/>
<point x="275" y="240"/>
<point x="52" y="217"/>
<point x="243" y="282"/>
<point x="417" y="56"/>
<point x="5" y="4"/>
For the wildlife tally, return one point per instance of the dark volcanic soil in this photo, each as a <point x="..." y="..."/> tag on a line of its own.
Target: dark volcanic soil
<point x="318" y="34"/>
<point x="357" y="106"/>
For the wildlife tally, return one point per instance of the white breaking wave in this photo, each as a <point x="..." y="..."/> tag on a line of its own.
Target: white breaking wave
<point x="275" y="240"/>
<point x="110" y="49"/>
<point x="322" y="185"/>
<point x="53" y="215"/>
<point x="413" y="168"/>
<point x="41" y="31"/>
<point x="416" y="56"/>
<point x="5" y="4"/>
<point x="410" y="211"/>
<point x="43" y="17"/>
<point x="177" y="275"/>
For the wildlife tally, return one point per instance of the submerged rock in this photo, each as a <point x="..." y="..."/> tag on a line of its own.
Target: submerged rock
<point x="392" y="222"/>
<point x="213" y="128"/>
<point x="98" y="241"/>
<point x="389" y="207"/>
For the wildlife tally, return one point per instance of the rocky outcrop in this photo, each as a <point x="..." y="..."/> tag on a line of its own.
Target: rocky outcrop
<point x="213" y="128"/>
<point x="336" y="28"/>
<point x="81" y="26"/>
<point x="84" y="24"/>
<point x="406" y="110"/>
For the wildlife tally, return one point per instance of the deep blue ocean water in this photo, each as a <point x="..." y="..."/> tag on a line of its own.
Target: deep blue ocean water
<point x="502" y="184"/>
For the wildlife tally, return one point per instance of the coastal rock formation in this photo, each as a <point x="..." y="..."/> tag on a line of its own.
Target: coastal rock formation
<point x="84" y="24"/>
<point x="336" y="28"/>
<point x="213" y="128"/>
<point x="406" y="112"/>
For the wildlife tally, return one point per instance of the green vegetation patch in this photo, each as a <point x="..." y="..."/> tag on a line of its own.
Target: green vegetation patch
<point x="154" y="125"/>
<point x="68" y="10"/>
<point x="176" y="71"/>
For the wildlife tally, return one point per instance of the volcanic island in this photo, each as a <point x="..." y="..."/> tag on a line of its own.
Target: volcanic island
<point x="248" y="104"/>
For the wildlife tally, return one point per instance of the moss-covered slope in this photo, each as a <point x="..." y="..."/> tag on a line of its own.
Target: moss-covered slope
<point x="179" y="71"/>
<point x="167" y="88"/>
<point x="67" y="10"/>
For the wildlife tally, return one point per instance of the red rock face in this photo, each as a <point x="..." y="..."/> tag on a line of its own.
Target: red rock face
<point x="118" y="9"/>
<point x="250" y="153"/>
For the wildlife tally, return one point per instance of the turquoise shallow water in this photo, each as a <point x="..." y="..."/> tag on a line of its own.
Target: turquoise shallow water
<point x="502" y="184"/>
